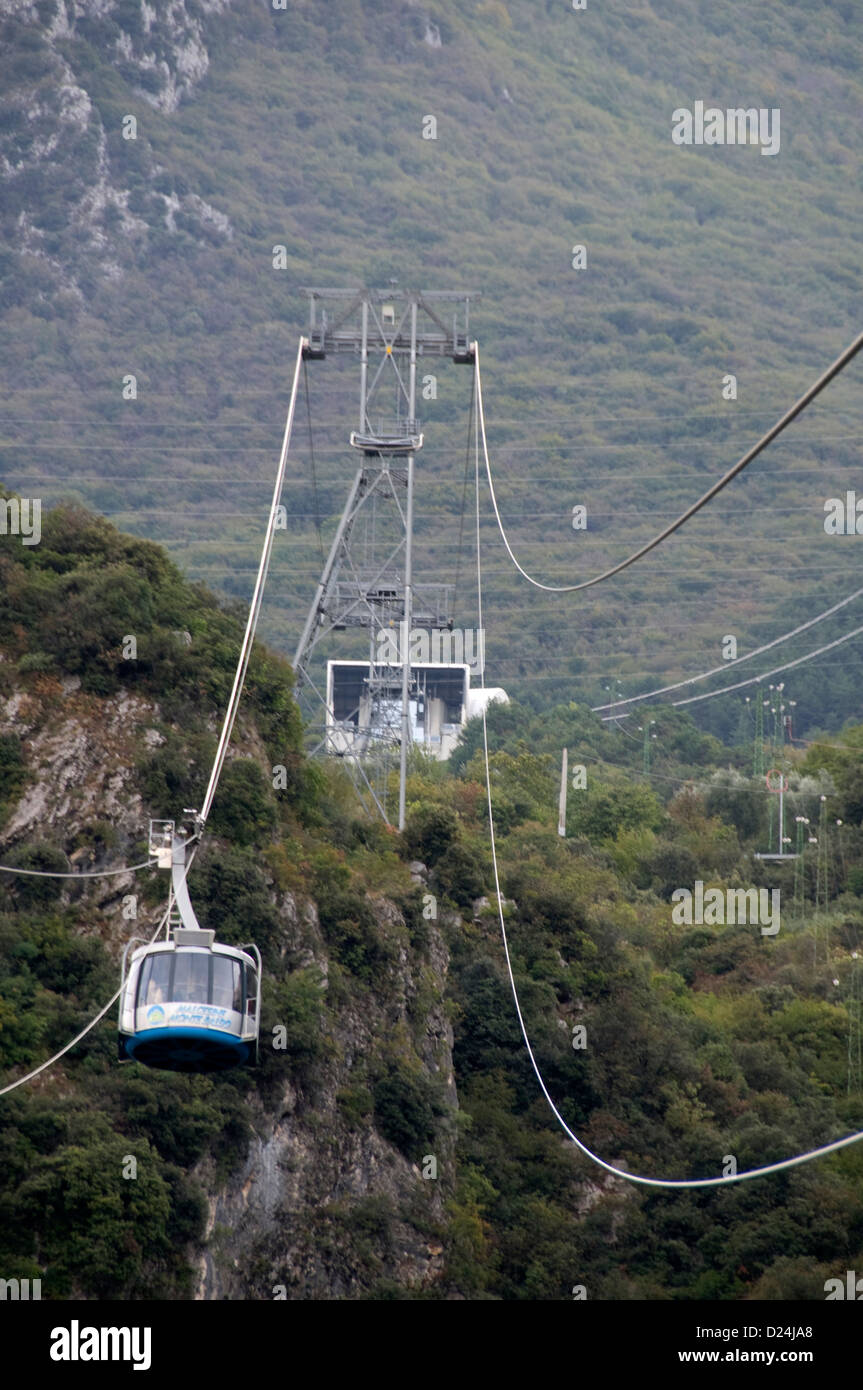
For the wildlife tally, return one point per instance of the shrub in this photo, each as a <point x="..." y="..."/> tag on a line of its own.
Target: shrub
<point x="459" y="876"/>
<point x="31" y="892"/>
<point x="12" y="775"/>
<point x="232" y="897"/>
<point x="295" y="1004"/>
<point x="405" y="1108"/>
<point x="243" y="809"/>
<point x="175" y="775"/>
<point x="349" y="924"/>
<point x="356" y="1103"/>
<point x="430" y="832"/>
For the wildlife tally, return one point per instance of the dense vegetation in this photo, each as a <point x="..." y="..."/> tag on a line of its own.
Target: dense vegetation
<point x="701" y="1042"/>
<point x="152" y="258"/>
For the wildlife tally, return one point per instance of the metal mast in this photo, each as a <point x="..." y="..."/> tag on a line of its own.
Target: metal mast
<point x="367" y="580"/>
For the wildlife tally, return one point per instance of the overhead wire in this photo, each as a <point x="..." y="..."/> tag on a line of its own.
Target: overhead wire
<point x="753" y="680"/>
<point x="799" y="405"/>
<point x="613" y="1169"/>
<point x="726" y="665"/>
<point x="84" y="1031"/>
<point x="239" y="680"/>
<point x="126" y="447"/>
<point x="102" y="873"/>
<point x="257" y="598"/>
<point x="141" y="422"/>
<point x="463" y="504"/>
<point x="200" y="479"/>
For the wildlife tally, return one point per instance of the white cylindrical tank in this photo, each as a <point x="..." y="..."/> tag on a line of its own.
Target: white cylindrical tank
<point x="478" y="700"/>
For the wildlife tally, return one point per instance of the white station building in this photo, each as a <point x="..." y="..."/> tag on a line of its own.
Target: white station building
<point x="360" y="716"/>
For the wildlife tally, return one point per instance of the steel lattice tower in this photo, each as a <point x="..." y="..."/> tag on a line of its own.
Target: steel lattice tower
<point x="367" y="580"/>
<point x="822" y="885"/>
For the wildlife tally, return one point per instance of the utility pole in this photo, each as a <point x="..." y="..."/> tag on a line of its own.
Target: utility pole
<point x="758" y="748"/>
<point x="367" y="580"/>
<point x="855" y="1031"/>
<point x="822" y="876"/>
<point x="648" y="725"/>
<point x="778" y="787"/>
<point x="800" y="867"/>
<point x="409" y="576"/>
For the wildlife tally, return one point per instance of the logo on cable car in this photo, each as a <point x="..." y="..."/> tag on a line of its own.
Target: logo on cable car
<point x="204" y="1015"/>
<point x="184" y="1014"/>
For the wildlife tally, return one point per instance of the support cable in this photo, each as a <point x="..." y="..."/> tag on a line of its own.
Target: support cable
<point x="708" y="695"/>
<point x="103" y="873"/>
<point x="638" y="1179"/>
<point x="463" y="502"/>
<point x="758" y="651"/>
<point x="753" y="680"/>
<point x="230" y="714"/>
<point x="808" y="396"/>
<point x="84" y="1031"/>
<point x="255" y="606"/>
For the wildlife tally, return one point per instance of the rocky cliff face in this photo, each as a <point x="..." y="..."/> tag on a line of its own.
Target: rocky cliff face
<point x="323" y="1206"/>
<point x="80" y="793"/>
<point x="80" y="186"/>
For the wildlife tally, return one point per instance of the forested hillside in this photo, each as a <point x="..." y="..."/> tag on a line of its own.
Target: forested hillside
<point x="389" y="1035"/>
<point x="257" y="128"/>
<point x="173" y="176"/>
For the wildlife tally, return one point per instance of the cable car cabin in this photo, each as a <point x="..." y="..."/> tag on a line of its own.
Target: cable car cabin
<point x="191" y="1004"/>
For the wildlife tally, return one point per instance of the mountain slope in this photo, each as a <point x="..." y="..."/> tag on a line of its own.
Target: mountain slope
<point x="302" y="128"/>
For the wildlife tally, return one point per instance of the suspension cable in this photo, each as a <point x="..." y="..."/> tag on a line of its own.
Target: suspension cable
<point x="257" y="597"/>
<point x="808" y="396"/>
<point x="84" y="1031"/>
<point x="103" y="873"/>
<point x="758" y="651"/>
<point x="753" y="680"/>
<point x="708" y="695"/>
<point x="588" y="1153"/>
